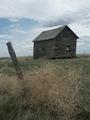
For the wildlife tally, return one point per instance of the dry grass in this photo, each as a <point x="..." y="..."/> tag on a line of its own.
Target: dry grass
<point x="46" y="87"/>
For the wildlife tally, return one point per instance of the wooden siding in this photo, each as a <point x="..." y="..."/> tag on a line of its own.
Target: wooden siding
<point x="43" y="49"/>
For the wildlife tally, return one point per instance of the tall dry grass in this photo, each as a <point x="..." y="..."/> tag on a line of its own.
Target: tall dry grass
<point x="49" y="87"/>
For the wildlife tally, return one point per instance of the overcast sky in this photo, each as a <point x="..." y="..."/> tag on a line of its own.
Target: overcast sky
<point x="22" y="20"/>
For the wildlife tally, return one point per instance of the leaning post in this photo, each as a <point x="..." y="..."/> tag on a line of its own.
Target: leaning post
<point x="15" y="61"/>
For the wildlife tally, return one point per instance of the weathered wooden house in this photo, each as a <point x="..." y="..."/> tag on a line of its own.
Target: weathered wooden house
<point x="56" y="43"/>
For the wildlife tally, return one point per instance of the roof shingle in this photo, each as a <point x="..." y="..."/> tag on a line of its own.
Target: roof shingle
<point x="46" y="35"/>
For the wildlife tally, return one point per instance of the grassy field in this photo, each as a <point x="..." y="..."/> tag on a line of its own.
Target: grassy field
<point x="51" y="90"/>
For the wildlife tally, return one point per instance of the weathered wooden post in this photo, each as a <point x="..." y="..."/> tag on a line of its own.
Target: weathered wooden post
<point x="15" y="61"/>
<point x="24" y="89"/>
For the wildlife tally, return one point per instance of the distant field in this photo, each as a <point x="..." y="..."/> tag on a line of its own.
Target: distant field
<point x="57" y="89"/>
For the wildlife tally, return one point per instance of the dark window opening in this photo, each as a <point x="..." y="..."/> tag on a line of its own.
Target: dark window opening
<point x="56" y="47"/>
<point x="37" y="50"/>
<point x="68" y="48"/>
<point x="64" y="35"/>
<point x="43" y="49"/>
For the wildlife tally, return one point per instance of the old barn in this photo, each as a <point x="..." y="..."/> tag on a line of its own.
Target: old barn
<point x="56" y="43"/>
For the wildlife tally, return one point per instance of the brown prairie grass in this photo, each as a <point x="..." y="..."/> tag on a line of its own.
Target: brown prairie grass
<point x="48" y="87"/>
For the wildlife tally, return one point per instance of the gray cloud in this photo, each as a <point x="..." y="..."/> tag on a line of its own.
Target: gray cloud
<point x="49" y="13"/>
<point x="78" y="17"/>
<point x="60" y="21"/>
<point x="83" y="45"/>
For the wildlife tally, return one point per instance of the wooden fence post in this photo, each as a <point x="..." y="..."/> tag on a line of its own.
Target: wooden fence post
<point x="15" y="61"/>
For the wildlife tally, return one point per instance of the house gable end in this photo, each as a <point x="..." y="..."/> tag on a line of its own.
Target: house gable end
<point x="64" y="32"/>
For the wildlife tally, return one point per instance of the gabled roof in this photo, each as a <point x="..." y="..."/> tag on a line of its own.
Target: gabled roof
<point x="46" y="35"/>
